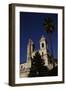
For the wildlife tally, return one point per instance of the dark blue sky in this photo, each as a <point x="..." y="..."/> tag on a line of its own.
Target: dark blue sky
<point x="31" y="26"/>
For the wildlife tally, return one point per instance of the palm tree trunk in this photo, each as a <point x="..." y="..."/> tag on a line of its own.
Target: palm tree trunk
<point x="50" y="42"/>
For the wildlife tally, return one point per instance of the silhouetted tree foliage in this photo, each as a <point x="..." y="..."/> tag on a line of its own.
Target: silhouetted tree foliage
<point x="38" y="69"/>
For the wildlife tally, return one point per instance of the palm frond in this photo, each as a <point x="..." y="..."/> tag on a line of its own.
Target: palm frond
<point x="48" y="24"/>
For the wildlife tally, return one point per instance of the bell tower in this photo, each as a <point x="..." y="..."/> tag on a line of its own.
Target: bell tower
<point x="43" y="50"/>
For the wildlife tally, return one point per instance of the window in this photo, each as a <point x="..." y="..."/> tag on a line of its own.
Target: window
<point x="42" y="45"/>
<point x="42" y="53"/>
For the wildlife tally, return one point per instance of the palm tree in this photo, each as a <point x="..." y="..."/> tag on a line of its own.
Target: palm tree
<point x="49" y="26"/>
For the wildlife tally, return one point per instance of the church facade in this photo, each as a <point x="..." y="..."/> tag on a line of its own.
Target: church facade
<point x="42" y="51"/>
<point x="25" y="67"/>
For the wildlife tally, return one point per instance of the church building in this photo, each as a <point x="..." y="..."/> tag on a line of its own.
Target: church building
<point x="31" y="51"/>
<point x="42" y="51"/>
